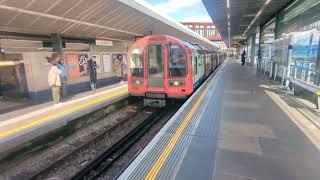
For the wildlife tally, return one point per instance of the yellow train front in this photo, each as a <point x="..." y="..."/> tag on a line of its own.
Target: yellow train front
<point x="162" y="67"/>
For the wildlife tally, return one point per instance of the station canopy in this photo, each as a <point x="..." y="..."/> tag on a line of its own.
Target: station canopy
<point x="245" y="15"/>
<point x="119" y="20"/>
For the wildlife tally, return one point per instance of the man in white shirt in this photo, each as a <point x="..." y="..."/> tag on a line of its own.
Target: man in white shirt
<point x="54" y="79"/>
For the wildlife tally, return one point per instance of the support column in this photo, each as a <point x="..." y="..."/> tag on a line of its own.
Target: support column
<point x="92" y="45"/>
<point x="56" y="42"/>
<point x="251" y="43"/>
<point x="259" y="63"/>
<point x="253" y="48"/>
<point x="317" y="81"/>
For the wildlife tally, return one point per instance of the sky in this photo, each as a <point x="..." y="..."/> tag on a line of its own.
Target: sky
<point x="182" y="10"/>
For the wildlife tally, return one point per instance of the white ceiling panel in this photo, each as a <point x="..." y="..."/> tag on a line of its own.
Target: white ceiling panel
<point x="16" y="3"/>
<point x="114" y="19"/>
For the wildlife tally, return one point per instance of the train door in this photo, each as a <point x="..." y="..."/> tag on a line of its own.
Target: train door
<point x="155" y="64"/>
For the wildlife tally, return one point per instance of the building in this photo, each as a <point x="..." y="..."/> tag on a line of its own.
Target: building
<point x="205" y="29"/>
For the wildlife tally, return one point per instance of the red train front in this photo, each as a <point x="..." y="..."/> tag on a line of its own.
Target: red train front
<point x="160" y="67"/>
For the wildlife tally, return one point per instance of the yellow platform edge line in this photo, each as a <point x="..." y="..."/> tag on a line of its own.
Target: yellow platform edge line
<point x="155" y="169"/>
<point x="73" y="101"/>
<point x="59" y="114"/>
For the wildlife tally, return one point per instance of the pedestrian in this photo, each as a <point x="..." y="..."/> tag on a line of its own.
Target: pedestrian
<point x="54" y="78"/>
<point x="63" y="77"/>
<point x="118" y="68"/>
<point x="92" y="70"/>
<point x="243" y="57"/>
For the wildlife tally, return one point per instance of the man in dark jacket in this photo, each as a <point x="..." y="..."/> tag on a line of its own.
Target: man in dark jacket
<point x="243" y="57"/>
<point x="92" y="70"/>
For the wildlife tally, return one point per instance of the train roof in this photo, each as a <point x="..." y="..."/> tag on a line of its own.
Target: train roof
<point x="191" y="45"/>
<point x="200" y="48"/>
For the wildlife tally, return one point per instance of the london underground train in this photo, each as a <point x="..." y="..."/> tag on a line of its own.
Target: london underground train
<point x="163" y="67"/>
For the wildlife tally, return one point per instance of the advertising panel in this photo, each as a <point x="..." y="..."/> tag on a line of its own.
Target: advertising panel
<point x="83" y="59"/>
<point x="73" y="65"/>
<point x="106" y="58"/>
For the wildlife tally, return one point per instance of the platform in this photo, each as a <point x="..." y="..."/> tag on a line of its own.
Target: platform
<point x="262" y="136"/>
<point x="23" y="125"/>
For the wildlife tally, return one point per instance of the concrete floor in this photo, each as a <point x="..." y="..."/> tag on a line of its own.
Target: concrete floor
<point x="260" y="138"/>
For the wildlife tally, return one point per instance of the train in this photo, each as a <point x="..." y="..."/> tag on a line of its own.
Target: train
<point x="162" y="67"/>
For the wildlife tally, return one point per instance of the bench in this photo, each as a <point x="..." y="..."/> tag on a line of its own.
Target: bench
<point x="309" y="87"/>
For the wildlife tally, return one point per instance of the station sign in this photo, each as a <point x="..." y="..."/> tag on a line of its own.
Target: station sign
<point x="103" y="43"/>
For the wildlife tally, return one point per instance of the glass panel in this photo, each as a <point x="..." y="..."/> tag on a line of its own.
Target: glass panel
<point x="177" y="61"/>
<point x="155" y="61"/>
<point x="136" y="62"/>
<point x="304" y="55"/>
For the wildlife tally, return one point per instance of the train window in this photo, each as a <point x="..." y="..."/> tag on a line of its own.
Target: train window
<point x="177" y="61"/>
<point x="155" y="61"/>
<point x="136" y="62"/>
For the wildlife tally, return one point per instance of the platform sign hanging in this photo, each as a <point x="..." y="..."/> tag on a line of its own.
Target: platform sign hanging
<point x="106" y="58"/>
<point x="103" y="42"/>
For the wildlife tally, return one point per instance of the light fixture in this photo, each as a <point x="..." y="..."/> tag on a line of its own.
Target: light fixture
<point x="259" y="13"/>
<point x="256" y="17"/>
<point x="228" y="3"/>
<point x="267" y="2"/>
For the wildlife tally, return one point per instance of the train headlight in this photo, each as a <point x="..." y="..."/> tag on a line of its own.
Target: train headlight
<point x="176" y="83"/>
<point x="137" y="82"/>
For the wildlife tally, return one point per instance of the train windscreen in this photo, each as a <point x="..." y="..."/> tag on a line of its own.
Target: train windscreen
<point x="136" y="62"/>
<point x="177" y="61"/>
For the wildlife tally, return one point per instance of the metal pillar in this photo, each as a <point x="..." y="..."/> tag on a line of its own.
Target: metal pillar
<point x="275" y="71"/>
<point x="253" y="48"/>
<point x="259" y="49"/>
<point x="56" y="42"/>
<point x="288" y="65"/>
<point x="317" y="79"/>
<point x="92" y="45"/>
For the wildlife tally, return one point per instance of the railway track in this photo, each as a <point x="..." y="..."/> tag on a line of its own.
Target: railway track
<point x="94" y="149"/>
<point x="69" y="165"/>
<point x="105" y="160"/>
<point x="108" y="147"/>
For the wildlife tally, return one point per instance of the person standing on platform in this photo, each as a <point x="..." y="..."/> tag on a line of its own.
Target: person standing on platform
<point x="118" y="67"/>
<point x="64" y="84"/>
<point x="54" y="78"/>
<point x="243" y="57"/>
<point x="92" y="69"/>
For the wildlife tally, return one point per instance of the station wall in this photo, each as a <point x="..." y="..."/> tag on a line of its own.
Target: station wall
<point x="290" y="46"/>
<point x="37" y="68"/>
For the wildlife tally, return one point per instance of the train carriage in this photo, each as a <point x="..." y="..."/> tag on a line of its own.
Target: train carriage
<point x="162" y="67"/>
